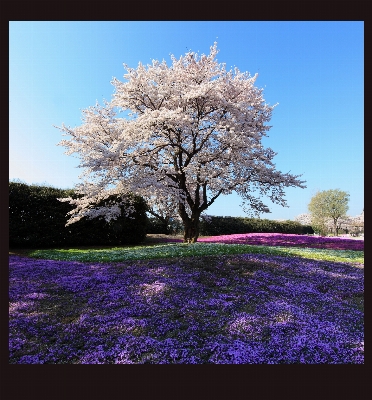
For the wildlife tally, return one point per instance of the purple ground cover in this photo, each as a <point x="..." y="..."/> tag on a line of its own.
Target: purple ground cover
<point x="226" y="309"/>
<point x="292" y="240"/>
<point x="281" y="239"/>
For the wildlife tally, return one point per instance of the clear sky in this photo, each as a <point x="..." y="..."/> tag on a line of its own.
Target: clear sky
<point x="314" y="70"/>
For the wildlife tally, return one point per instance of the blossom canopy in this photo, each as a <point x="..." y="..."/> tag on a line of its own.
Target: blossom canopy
<point x="192" y="133"/>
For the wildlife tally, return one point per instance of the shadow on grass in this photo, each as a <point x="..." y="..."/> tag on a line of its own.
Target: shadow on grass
<point x="150" y="240"/>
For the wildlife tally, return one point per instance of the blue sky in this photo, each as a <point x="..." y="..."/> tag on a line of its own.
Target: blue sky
<point x="314" y="70"/>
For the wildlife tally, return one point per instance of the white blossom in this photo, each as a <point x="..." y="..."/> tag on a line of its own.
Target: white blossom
<point x="194" y="133"/>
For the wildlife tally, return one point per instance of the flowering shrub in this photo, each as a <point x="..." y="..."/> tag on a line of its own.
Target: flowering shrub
<point x="237" y="309"/>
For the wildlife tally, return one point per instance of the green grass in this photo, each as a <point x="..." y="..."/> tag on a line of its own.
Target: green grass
<point x="117" y="254"/>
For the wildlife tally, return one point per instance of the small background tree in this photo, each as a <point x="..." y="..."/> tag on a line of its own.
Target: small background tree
<point x="328" y="204"/>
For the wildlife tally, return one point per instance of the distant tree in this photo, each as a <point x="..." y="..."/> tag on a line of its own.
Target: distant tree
<point x="193" y="134"/>
<point x="304" y="219"/>
<point x="328" y="204"/>
<point x="355" y="225"/>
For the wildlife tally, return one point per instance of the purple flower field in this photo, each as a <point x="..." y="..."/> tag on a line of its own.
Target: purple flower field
<point x="236" y="309"/>
<point x="280" y="239"/>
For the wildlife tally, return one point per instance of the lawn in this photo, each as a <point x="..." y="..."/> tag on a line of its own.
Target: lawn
<point x="216" y="301"/>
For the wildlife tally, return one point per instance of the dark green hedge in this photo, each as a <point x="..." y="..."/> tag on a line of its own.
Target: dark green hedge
<point x="37" y="219"/>
<point x="234" y="225"/>
<point x="155" y="225"/>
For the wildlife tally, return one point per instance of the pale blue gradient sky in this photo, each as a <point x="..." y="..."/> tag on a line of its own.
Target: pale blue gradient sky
<point x="314" y="70"/>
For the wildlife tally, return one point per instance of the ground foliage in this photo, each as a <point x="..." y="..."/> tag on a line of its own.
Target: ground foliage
<point x="200" y="309"/>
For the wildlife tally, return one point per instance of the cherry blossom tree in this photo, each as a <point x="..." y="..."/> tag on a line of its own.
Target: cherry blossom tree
<point x="192" y="133"/>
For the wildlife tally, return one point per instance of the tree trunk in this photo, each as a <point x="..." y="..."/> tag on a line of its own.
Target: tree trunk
<point x="336" y="228"/>
<point x="191" y="230"/>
